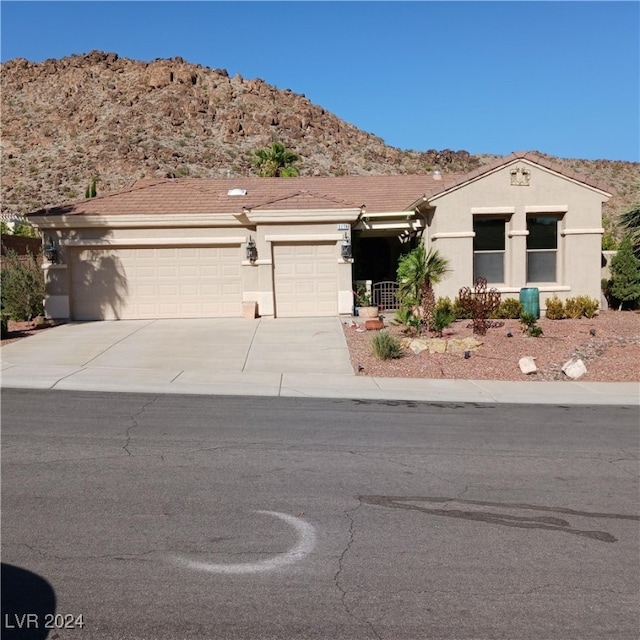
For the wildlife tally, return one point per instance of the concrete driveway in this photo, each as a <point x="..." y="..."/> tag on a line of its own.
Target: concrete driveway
<point x="301" y="357"/>
<point x="195" y="351"/>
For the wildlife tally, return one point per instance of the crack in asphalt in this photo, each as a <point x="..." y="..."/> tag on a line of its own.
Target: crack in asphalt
<point x="337" y="578"/>
<point x="115" y="556"/>
<point x="631" y="473"/>
<point x="406" y="466"/>
<point x="127" y="433"/>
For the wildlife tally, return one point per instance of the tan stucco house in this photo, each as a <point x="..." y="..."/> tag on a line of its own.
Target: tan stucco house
<point x="184" y="248"/>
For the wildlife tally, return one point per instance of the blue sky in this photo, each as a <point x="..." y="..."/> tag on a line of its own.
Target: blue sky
<point x="487" y="77"/>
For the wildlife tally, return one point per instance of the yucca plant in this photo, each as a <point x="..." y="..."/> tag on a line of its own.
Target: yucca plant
<point x="417" y="273"/>
<point x="385" y="346"/>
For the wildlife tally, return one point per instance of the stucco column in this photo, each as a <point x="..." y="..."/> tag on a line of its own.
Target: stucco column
<point x="516" y="275"/>
<point x="56" y="297"/>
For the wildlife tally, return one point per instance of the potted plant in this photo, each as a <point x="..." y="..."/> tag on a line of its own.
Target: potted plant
<point x="364" y="307"/>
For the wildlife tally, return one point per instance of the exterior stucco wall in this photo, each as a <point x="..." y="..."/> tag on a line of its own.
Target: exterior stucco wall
<point x="267" y="234"/>
<point x="256" y="278"/>
<point x="579" y="210"/>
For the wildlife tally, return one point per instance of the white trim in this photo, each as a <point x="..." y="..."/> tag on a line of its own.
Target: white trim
<point x="153" y="242"/>
<point x="581" y="232"/>
<point x="304" y="237"/>
<point x="542" y="289"/>
<point x="408" y="224"/>
<point x="517" y="232"/>
<point x="547" y="288"/>
<point x="454" y="234"/>
<point x="81" y="221"/>
<point x="255" y="263"/>
<point x="492" y="210"/>
<point x="390" y="214"/>
<point x="547" y="208"/>
<point x="303" y="215"/>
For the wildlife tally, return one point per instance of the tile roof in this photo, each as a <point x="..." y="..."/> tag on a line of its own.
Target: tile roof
<point x="532" y="156"/>
<point x="211" y="195"/>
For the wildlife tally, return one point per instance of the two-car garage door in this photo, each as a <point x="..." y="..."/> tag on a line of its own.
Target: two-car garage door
<point x="155" y="282"/>
<point x="197" y="282"/>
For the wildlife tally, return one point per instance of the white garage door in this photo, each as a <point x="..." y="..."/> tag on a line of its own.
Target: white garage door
<point x="305" y="279"/>
<point x="167" y="282"/>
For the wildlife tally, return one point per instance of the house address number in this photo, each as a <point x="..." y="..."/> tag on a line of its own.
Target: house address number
<point x="344" y="227"/>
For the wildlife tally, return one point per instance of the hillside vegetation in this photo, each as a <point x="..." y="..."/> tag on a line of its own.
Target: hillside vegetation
<point x="67" y="121"/>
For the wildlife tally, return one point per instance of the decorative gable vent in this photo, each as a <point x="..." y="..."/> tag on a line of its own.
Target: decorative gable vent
<point x="237" y="192"/>
<point x="520" y="177"/>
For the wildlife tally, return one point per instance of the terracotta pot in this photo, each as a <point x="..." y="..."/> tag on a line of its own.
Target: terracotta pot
<point x="368" y="312"/>
<point x="373" y="325"/>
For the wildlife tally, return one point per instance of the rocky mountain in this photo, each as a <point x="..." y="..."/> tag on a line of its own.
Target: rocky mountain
<point x="66" y="121"/>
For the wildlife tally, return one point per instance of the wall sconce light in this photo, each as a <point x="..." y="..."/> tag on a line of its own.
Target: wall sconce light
<point x="252" y="251"/>
<point x="50" y="251"/>
<point x="346" y="249"/>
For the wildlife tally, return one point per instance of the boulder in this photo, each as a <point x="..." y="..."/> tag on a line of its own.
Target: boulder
<point x="418" y="345"/>
<point x="527" y="365"/>
<point x="455" y="346"/>
<point x="437" y="345"/>
<point x="471" y="343"/>
<point x="574" y="368"/>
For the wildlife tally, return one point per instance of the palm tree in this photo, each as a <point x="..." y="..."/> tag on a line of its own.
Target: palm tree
<point x="418" y="272"/>
<point x="630" y="220"/>
<point x="275" y="162"/>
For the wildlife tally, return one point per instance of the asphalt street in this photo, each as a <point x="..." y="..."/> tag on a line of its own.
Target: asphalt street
<point x="165" y="516"/>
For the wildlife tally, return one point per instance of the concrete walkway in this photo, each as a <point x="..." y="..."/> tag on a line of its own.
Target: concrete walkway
<point x="305" y="357"/>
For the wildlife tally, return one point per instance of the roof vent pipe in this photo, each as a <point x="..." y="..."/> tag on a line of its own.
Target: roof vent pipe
<point x="437" y="175"/>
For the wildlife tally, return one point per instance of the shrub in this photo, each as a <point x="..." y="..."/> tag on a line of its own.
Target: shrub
<point x="572" y="308"/>
<point x="530" y="327"/>
<point x="441" y="320"/>
<point x="589" y="306"/>
<point x="25" y="230"/>
<point x="444" y="305"/>
<point x="555" y="308"/>
<point x="625" y="276"/>
<point x="581" y="306"/>
<point x="385" y="346"/>
<point x="22" y="287"/>
<point x="412" y="321"/>
<point x="509" y="308"/>
<point x="460" y="311"/>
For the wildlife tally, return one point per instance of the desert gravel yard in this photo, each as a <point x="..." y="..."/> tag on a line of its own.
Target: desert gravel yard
<point x="608" y="344"/>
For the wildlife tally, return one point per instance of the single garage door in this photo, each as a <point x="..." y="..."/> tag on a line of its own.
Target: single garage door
<point x="145" y="282"/>
<point x="305" y="279"/>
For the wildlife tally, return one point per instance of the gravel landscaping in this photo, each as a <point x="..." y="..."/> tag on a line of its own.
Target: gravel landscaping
<point x="608" y="344"/>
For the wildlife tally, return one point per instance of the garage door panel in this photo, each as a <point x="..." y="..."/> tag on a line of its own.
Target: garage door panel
<point x="186" y="282"/>
<point x="305" y="277"/>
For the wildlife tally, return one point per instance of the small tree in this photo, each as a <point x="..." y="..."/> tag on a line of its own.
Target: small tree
<point x="22" y="286"/>
<point x="24" y="230"/>
<point x="630" y="220"/>
<point x="275" y="162"/>
<point x="418" y="272"/>
<point x="92" y="188"/>
<point x="625" y="275"/>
